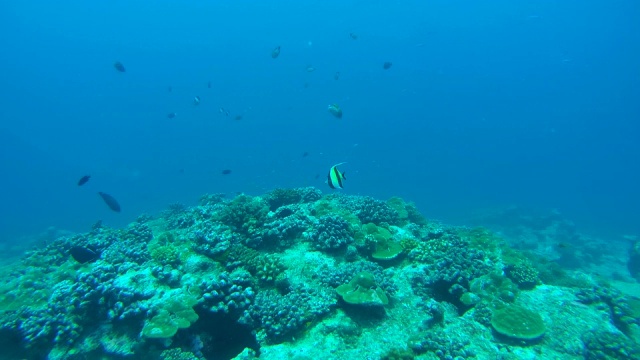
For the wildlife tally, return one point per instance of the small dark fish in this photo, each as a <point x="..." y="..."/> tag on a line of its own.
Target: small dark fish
<point x="305" y="154"/>
<point x="237" y="117"/>
<point x="387" y="65"/>
<point x="226" y="172"/>
<point x="169" y="88"/>
<point x="118" y="65"/>
<point x="209" y="84"/>
<point x="336" y="76"/>
<point x="83" y="255"/>
<point x="276" y="52"/>
<point x="111" y="202"/>
<point x="83" y="180"/>
<point x="171" y="115"/>
<point x="353" y="36"/>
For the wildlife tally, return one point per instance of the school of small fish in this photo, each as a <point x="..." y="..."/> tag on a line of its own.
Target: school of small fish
<point x="335" y="178"/>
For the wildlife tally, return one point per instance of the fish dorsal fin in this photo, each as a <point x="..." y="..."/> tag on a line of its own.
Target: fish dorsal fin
<point x="339" y="164"/>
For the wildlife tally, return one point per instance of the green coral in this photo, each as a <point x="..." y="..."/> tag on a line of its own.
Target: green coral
<point x="176" y="313"/>
<point x="481" y="238"/>
<point x="177" y="354"/>
<point x="266" y="267"/>
<point x="165" y="254"/>
<point x="245" y="213"/>
<point x="326" y="207"/>
<point x="378" y="240"/>
<point x="494" y="288"/>
<point x="362" y="290"/>
<point x="524" y="274"/>
<point x="400" y="207"/>
<point x="518" y="323"/>
<point x="387" y="250"/>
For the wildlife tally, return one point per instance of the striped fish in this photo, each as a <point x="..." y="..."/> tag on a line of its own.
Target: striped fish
<point x="335" y="177"/>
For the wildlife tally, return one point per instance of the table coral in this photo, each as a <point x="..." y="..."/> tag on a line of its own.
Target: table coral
<point x="518" y="323"/>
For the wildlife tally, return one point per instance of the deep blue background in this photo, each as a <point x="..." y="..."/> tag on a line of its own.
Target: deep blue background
<point x="533" y="103"/>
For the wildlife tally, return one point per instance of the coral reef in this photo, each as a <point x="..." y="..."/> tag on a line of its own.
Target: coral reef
<point x="294" y="274"/>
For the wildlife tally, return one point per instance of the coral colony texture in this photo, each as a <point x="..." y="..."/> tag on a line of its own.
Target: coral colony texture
<point x="297" y="275"/>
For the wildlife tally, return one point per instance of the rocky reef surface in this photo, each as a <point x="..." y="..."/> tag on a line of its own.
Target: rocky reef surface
<point x="297" y="275"/>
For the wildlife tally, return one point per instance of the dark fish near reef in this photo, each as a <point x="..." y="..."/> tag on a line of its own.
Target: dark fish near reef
<point x="118" y="65"/>
<point x="335" y="177"/>
<point x="387" y="65"/>
<point x="226" y="172"/>
<point x="171" y="115"/>
<point x="276" y="52"/>
<point x="83" y="180"/>
<point x="111" y="202"/>
<point x="83" y="255"/>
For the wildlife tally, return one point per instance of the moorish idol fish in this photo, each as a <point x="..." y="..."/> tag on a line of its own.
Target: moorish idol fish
<point x="335" y="177"/>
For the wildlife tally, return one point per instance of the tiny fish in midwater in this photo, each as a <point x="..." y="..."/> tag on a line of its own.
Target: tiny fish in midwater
<point x="83" y="180"/>
<point x="169" y="88"/>
<point x="353" y="36"/>
<point x="209" y="84"/>
<point x="196" y="100"/>
<point x="226" y="172"/>
<point x="387" y="65"/>
<point x="336" y="76"/>
<point x="118" y="65"/>
<point x="171" y="115"/>
<point x="305" y="154"/>
<point x="310" y="68"/>
<point x="237" y="117"/>
<point x="276" y="52"/>
<point x="335" y="177"/>
<point x="111" y="202"/>
<point x="224" y="112"/>
<point x="83" y="255"/>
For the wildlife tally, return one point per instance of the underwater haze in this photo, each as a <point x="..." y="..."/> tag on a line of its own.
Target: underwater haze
<point x="486" y="104"/>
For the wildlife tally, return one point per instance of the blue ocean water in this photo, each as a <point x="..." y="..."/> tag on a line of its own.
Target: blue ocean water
<point x="487" y="104"/>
